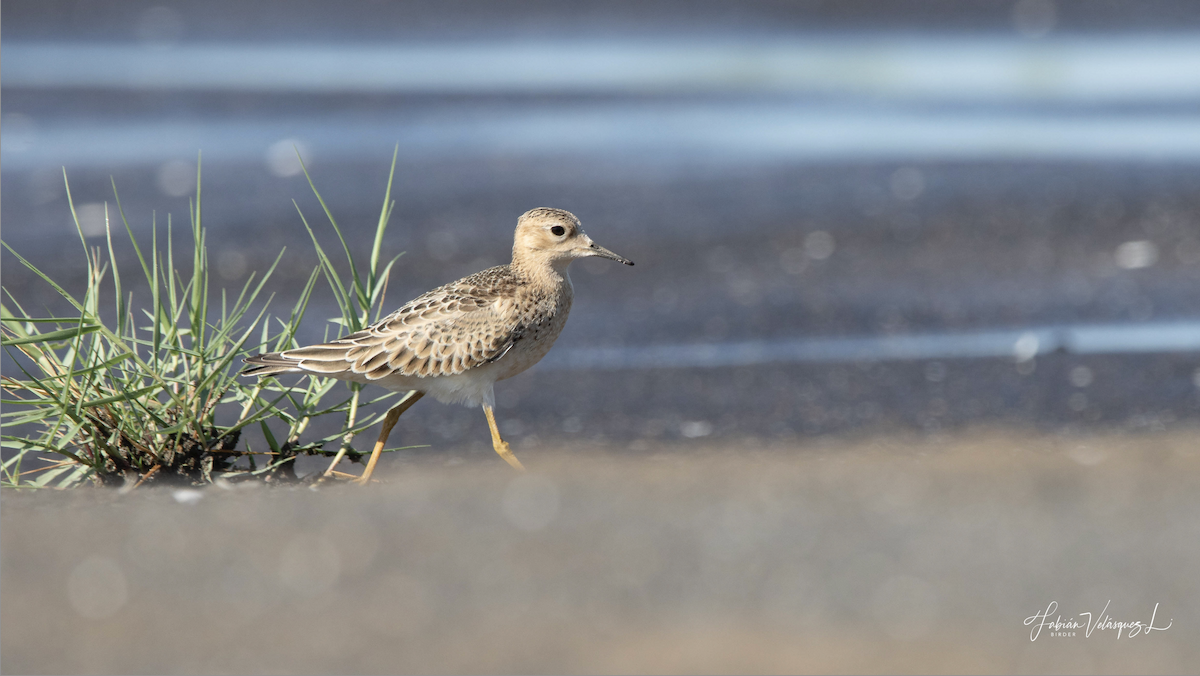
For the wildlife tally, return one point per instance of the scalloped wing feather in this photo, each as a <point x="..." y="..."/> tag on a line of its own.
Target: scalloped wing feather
<point x="448" y="331"/>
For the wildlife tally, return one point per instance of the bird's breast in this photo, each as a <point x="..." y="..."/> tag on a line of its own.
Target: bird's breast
<point x="542" y="317"/>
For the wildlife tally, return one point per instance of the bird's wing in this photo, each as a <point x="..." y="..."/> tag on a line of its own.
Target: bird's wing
<point x="447" y="331"/>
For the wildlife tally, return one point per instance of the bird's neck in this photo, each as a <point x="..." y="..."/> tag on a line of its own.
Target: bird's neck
<point x="541" y="269"/>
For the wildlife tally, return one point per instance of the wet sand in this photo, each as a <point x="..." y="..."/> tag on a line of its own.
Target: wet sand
<point x="874" y="553"/>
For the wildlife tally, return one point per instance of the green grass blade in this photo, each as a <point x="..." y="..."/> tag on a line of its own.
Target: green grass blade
<point x="52" y="336"/>
<point x="384" y="215"/>
<point x="360" y="294"/>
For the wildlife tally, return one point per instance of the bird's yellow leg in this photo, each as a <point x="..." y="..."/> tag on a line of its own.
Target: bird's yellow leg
<point x="389" y="421"/>
<point x="499" y="444"/>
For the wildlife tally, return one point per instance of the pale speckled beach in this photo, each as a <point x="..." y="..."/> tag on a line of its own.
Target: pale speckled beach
<point x="918" y="554"/>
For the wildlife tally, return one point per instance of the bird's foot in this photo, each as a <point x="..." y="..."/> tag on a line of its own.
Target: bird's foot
<point x="503" y="451"/>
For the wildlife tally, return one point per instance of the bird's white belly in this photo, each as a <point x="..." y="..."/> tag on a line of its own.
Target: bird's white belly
<point x="471" y="388"/>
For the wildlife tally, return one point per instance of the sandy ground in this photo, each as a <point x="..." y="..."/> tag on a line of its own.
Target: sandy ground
<point x="868" y="554"/>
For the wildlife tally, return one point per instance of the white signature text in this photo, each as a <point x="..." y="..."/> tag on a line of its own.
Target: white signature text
<point x="1102" y="621"/>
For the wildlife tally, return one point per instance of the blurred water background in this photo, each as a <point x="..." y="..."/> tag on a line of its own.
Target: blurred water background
<point x="780" y="172"/>
<point x="850" y="219"/>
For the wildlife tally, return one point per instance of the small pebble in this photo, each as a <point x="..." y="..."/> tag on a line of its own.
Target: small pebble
<point x="187" y="496"/>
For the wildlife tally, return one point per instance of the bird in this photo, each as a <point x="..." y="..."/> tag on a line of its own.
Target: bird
<point x="456" y="341"/>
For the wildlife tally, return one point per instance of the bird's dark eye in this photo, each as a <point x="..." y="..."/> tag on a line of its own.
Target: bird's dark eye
<point x="557" y="230"/>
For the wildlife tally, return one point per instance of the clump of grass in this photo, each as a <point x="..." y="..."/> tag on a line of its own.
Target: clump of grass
<point x="137" y="394"/>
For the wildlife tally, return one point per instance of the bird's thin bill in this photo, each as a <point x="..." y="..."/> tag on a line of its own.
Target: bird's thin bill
<point x="597" y="250"/>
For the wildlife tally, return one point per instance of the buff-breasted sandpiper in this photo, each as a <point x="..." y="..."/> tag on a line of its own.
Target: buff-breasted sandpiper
<point x="456" y="341"/>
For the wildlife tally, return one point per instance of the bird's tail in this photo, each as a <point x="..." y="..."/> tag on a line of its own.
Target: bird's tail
<point x="269" y="365"/>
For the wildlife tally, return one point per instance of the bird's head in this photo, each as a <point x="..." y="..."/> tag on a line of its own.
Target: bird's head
<point x="554" y="236"/>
